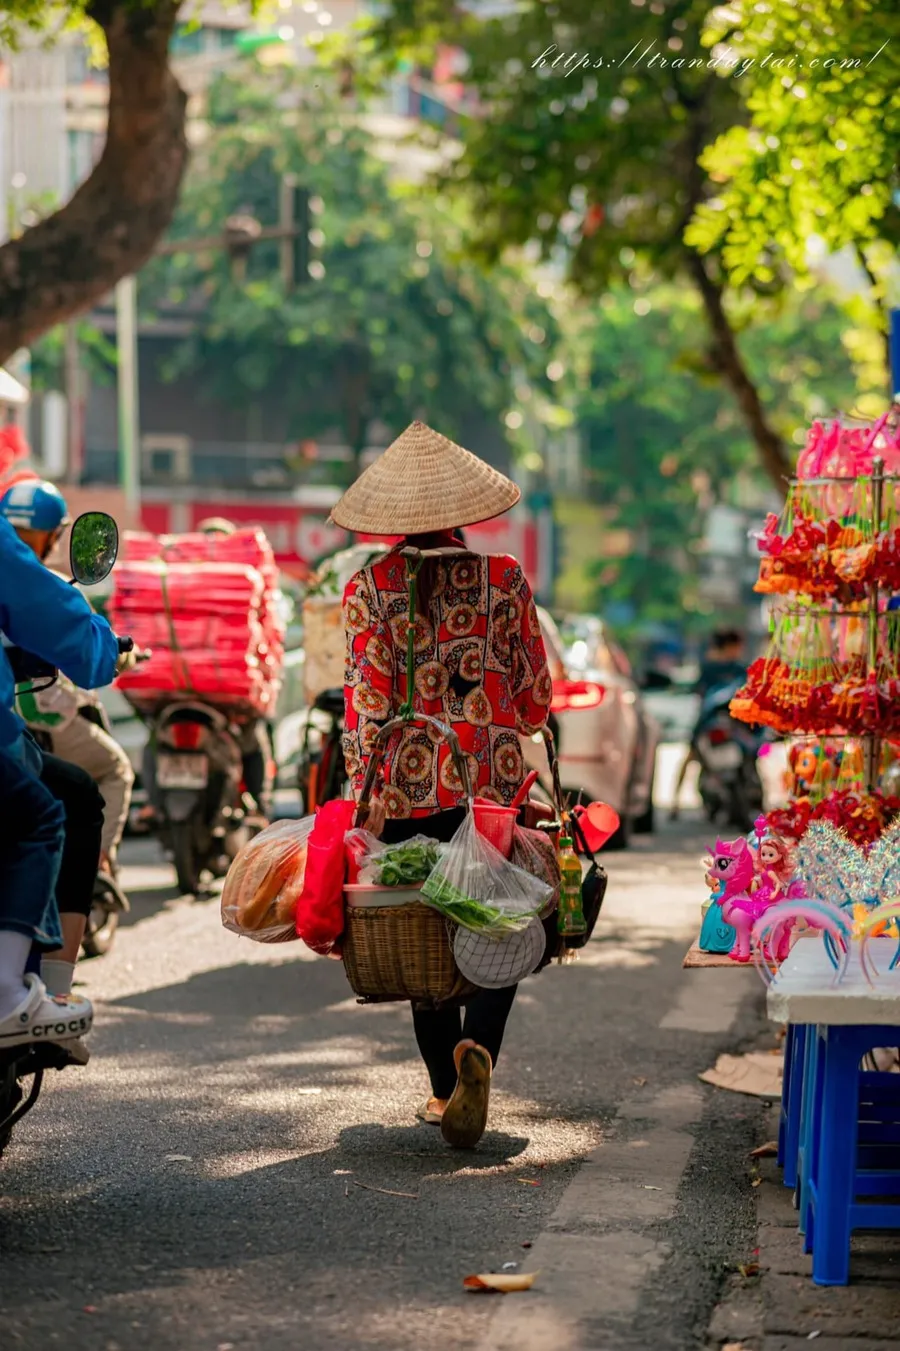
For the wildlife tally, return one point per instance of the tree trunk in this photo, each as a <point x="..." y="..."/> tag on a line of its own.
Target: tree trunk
<point x="66" y="263"/>
<point x="885" y="330"/>
<point x="773" y="452"/>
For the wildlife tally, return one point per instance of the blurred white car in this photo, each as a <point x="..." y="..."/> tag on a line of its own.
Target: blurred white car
<point x="606" y="738"/>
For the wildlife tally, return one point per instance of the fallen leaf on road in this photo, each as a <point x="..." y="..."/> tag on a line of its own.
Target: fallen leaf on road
<point x="648" y="1187"/>
<point x="528" y="1181"/>
<point x="510" y="1266"/>
<point x="767" y="1151"/>
<point x="178" y="1158"/>
<point x="813" y="1335"/>
<point x="757" y="1182"/>
<point x="526" y="1245"/>
<point x="90" y="1308"/>
<point x="384" y="1191"/>
<point x="749" y="1269"/>
<point x="499" y="1284"/>
<point x="308" y="1092"/>
<point x="640" y="1082"/>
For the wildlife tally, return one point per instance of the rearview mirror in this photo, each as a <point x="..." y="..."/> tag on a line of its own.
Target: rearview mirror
<point x="93" y="547"/>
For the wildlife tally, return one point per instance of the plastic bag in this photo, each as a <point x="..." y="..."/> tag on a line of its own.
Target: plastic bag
<point x="375" y="864"/>
<point x="320" y="910"/>
<point x="477" y="888"/>
<point x="535" y="853"/>
<point x="263" y="885"/>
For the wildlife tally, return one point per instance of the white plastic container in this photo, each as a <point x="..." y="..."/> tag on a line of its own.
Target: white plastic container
<point x="360" y="896"/>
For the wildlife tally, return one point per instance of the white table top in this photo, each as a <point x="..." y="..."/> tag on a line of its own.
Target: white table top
<point x="804" y="990"/>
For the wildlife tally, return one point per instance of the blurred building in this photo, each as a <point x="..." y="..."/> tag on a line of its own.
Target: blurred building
<point x="198" y="459"/>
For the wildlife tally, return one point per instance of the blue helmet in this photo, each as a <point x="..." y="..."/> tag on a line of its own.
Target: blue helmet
<point x="34" y="506"/>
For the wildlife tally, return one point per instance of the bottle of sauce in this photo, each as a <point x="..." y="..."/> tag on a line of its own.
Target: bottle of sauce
<point x="571" y="916"/>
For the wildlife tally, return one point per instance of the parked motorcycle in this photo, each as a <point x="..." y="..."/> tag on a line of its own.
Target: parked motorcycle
<point x="321" y="772"/>
<point x="194" y="770"/>
<point x="93" y="547"/>
<point x="727" y="752"/>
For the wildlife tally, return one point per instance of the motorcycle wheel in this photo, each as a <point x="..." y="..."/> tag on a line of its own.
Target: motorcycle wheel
<point x="186" y="856"/>
<point x="100" y="931"/>
<point x="746" y="801"/>
<point x="10" y="1098"/>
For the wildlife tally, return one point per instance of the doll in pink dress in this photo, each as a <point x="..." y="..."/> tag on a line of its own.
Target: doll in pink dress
<point x="774" y="864"/>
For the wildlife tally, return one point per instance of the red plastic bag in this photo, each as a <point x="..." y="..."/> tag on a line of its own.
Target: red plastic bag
<point x="320" y="910"/>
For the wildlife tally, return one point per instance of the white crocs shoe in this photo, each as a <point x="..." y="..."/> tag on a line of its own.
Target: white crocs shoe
<point x="40" y="1018"/>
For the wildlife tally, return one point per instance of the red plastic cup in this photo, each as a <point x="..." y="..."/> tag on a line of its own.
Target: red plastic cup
<point x="598" y="821"/>
<point x="495" y="823"/>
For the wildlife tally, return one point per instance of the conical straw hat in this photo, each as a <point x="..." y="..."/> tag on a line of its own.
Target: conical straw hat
<point x="423" y="482"/>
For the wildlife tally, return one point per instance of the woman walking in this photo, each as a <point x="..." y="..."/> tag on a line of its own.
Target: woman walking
<point x="480" y="668"/>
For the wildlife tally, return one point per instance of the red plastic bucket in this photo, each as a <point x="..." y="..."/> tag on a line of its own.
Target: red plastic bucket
<point x="599" y="822"/>
<point x="495" y="823"/>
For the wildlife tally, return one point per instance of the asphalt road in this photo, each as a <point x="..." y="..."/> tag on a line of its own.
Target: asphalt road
<point x="219" y="1176"/>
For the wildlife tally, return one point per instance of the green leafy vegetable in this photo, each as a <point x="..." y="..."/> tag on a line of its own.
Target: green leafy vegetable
<point x="406" y="864"/>
<point x="464" y="910"/>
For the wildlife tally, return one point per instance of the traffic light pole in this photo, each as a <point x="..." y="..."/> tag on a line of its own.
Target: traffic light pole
<point x="128" y="392"/>
<point x="292" y="232"/>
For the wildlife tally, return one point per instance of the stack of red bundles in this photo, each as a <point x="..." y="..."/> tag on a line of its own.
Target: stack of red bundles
<point x="207" y="608"/>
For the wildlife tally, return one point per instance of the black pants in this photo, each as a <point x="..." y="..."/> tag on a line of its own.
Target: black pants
<point x="438" y="1031"/>
<point x="83" y="805"/>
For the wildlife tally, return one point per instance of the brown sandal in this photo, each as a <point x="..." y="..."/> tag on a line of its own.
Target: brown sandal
<point x="465" y="1116"/>
<point x="432" y="1111"/>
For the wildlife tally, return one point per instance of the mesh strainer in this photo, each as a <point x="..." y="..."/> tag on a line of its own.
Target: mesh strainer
<point x="493" y="963"/>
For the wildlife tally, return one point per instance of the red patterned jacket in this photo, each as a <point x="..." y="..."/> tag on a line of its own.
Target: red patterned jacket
<point x="480" y="667"/>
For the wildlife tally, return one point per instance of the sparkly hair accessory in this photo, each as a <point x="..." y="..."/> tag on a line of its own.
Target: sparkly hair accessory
<point x="771" y="934"/>
<point x="834" y="869"/>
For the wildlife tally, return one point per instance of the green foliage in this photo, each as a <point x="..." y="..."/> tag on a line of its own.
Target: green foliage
<point x="624" y="136"/>
<point x="663" y="440"/>
<point x="819" y="157"/>
<point x="400" y="324"/>
<point x="96" y="354"/>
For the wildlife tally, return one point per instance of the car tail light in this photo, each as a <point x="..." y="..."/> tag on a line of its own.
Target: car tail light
<point x="185" y="736"/>
<point x="576" y="694"/>
<point x="718" y="736"/>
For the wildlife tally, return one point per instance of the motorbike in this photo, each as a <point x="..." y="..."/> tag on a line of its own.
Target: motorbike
<point x="194" y="769"/>
<point x="321" y="772"/>
<point x="727" y="752"/>
<point x="93" y="547"/>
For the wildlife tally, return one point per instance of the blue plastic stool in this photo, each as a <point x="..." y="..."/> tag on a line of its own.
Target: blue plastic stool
<point x="850" y="1118"/>
<point x="791" y="1102"/>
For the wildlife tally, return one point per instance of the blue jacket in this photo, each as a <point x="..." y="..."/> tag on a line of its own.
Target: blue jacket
<point x="42" y="614"/>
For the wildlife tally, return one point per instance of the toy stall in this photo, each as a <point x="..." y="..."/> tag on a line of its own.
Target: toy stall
<point x="812" y="896"/>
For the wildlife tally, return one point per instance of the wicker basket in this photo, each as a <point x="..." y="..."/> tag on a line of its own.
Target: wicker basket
<point x="401" y="952"/>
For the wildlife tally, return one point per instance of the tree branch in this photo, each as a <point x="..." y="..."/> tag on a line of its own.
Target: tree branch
<point x="727" y="355"/>
<point x="66" y="263"/>
<point x="772" y="450"/>
<point x="874" y="284"/>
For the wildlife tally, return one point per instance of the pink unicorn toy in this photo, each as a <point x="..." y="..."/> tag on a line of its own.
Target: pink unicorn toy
<point x="731" y="873"/>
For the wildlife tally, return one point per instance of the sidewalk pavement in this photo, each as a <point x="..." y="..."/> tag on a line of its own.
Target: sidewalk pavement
<point x="779" y="1309"/>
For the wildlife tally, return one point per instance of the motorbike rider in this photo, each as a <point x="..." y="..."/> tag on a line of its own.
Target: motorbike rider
<point x="44" y="616"/>
<point x="69" y="717"/>
<point x="724" y="664"/>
